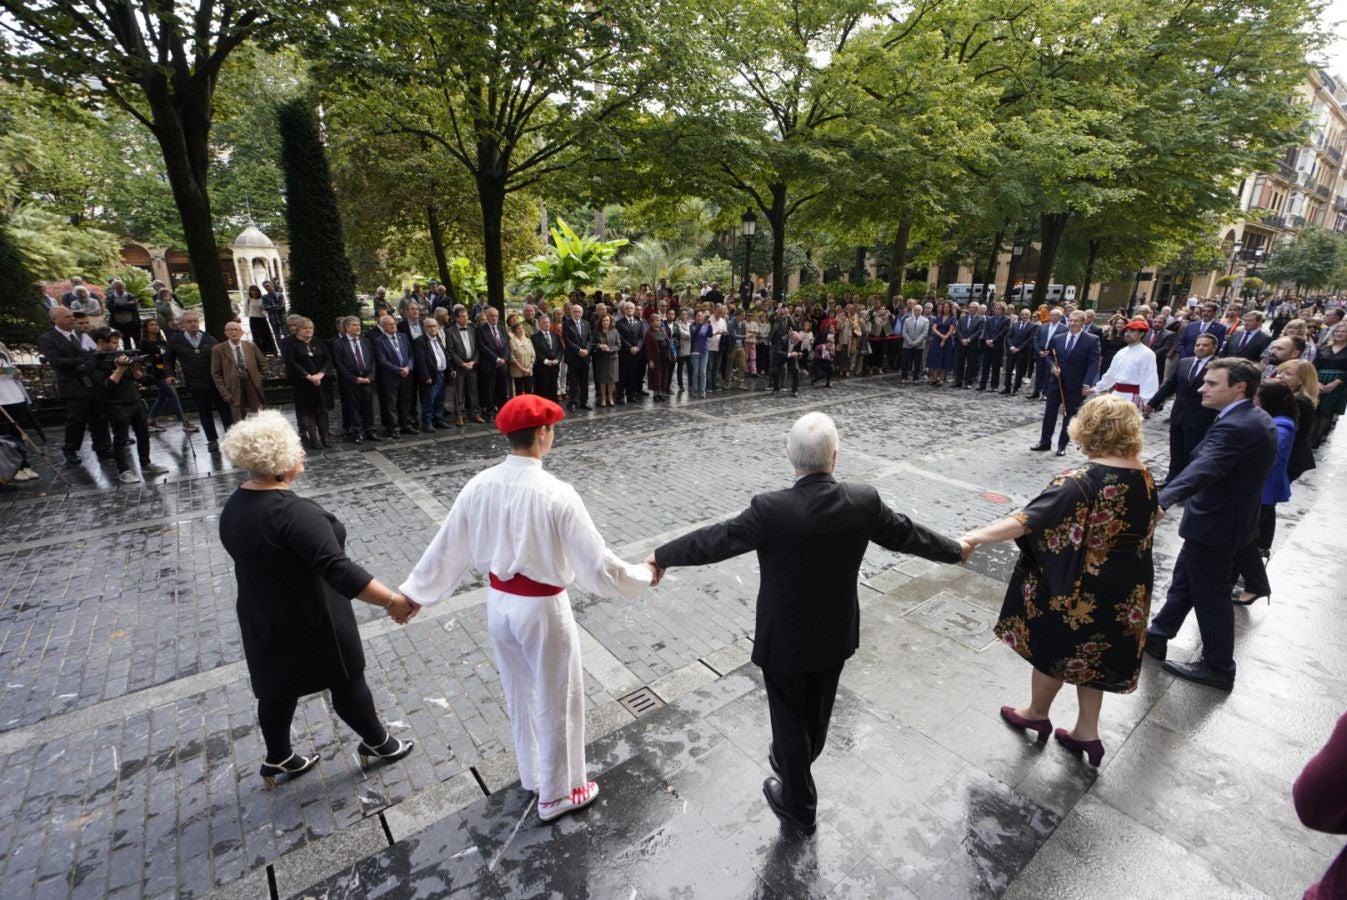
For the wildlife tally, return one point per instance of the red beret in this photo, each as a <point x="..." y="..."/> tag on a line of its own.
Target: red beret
<point x="528" y="411"/>
<point x="1137" y="325"/>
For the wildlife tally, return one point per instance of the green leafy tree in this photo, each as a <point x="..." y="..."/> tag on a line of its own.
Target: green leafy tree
<point x="510" y="91"/>
<point x="573" y="261"/>
<point x="161" y="65"/>
<point x="321" y="284"/>
<point x="22" y="316"/>
<point x="1313" y="260"/>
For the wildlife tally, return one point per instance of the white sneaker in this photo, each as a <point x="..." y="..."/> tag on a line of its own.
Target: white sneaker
<point x="579" y="798"/>
<point x="153" y="469"/>
<point x="25" y="474"/>
<point x="128" y="477"/>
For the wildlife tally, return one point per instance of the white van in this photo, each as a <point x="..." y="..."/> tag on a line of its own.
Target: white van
<point x="1057" y="293"/>
<point x="962" y="293"/>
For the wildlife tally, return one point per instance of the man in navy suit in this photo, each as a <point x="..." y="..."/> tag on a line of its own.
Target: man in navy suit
<point x="1074" y="357"/>
<point x="1250" y="340"/>
<point x="396" y="364"/>
<point x="1043" y="338"/>
<point x="1020" y="350"/>
<point x="1222" y="487"/>
<point x="493" y="346"/>
<point x="1190" y="420"/>
<point x="994" y="345"/>
<point x="1206" y="325"/>
<point x="353" y="356"/>
<point x="968" y="345"/>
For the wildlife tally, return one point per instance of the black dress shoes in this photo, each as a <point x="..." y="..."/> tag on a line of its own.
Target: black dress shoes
<point x="1156" y="647"/>
<point x="1201" y="673"/>
<point x="585" y="406"/>
<point x="771" y="760"/>
<point x="1061" y="451"/>
<point x="771" y="789"/>
<point x="1038" y="448"/>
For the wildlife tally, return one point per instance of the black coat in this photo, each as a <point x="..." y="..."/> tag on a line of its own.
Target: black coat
<point x="302" y="360"/>
<point x="577" y="338"/>
<point x="810" y="540"/>
<point x="488" y="351"/>
<point x="194" y="362"/>
<point x="424" y="354"/>
<point x="295" y="586"/>
<point x="73" y="365"/>
<point x="1251" y="350"/>
<point x="1188" y="409"/>
<point x="348" y="369"/>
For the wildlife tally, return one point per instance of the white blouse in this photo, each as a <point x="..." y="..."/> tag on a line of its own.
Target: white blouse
<point x="516" y="517"/>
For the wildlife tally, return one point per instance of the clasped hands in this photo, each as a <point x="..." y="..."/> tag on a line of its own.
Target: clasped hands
<point x="656" y="570"/>
<point x="402" y="609"/>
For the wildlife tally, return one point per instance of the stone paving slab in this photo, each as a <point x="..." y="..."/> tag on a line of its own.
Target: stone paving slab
<point x="112" y="598"/>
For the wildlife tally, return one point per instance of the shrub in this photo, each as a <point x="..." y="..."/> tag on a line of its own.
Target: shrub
<point x="189" y="295"/>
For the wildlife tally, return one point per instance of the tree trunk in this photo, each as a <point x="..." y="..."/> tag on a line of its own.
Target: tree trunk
<point x="185" y="143"/>
<point x="899" y="256"/>
<point x="1089" y="271"/>
<point x="989" y="276"/>
<point x="859" y="274"/>
<point x="492" y="199"/>
<point x="1053" y="226"/>
<point x="437" y="246"/>
<point x="777" y="217"/>
<point x="1013" y="271"/>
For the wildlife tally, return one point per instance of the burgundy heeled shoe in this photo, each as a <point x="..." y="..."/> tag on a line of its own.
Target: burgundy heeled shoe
<point x="1042" y="726"/>
<point x="1092" y="749"/>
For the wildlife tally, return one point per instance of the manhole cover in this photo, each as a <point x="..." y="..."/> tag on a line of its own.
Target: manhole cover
<point x="958" y="620"/>
<point x="640" y="702"/>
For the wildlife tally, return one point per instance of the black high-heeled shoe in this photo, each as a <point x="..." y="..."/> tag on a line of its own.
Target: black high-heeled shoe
<point x="294" y="765"/>
<point x="391" y="749"/>
<point x="1251" y="601"/>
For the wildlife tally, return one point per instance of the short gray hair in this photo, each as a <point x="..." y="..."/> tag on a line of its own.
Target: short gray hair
<point x="345" y="322"/>
<point x="812" y="443"/>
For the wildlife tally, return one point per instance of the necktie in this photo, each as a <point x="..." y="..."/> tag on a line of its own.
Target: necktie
<point x="238" y="355"/>
<point x="1203" y="329"/>
<point x="75" y="339"/>
<point x="397" y="347"/>
<point x="1070" y="342"/>
<point x="1244" y="342"/>
<point x="359" y="357"/>
<point x="495" y="336"/>
<point x="1197" y="370"/>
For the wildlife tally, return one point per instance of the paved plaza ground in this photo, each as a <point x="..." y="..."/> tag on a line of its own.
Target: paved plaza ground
<point x="129" y="748"/>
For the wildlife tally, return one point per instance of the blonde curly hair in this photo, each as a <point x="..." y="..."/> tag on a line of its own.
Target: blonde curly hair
<point x="1107" y="425"/>
<point x="265" y="444"/>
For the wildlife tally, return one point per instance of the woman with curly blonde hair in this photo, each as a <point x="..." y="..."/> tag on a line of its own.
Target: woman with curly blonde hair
<point x="1079" y="599"/>
<point x="294" y="588"/>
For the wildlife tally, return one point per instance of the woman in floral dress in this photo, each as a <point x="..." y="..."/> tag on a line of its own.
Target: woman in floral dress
<point x="1080" y="596"/>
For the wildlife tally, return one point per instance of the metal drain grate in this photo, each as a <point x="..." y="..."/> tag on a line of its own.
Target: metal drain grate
<point x="640" y="702"/>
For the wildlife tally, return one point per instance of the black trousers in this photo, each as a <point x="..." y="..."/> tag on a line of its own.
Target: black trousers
<point x="491" y="388"/>
<point x="1249" y="563"/>
<point x="395" y="402"/>
<point x="1073" y="402"/>
<point x="780" y="363"/>
<point x="577" y="380"/>
<point x="83" y="413"/>
<point x="632" y="376"/>
<point x="545" y="381"/>
<point x="125" y="418"/>
<point x="351" y="701"/>
<point x="801" y="705"/>
<point x="1183" y="440"/>
<point x="1202" y="585"/>
<point x="1017" y="368"/>
<point x="357" y="409"/>
<point x="991" y="366"/>
<point x="208" y="402"/>
<point x="914" y="362"/>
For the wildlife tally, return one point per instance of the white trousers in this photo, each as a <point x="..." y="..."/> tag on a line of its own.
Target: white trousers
<point x="538" y="652"/>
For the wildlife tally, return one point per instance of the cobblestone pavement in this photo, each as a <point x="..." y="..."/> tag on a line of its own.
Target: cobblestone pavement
<point x="128" y="742"/>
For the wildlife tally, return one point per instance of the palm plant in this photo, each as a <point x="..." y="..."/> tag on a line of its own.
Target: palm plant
<point x="652" y="259"/>
<point x="573" y="261"/>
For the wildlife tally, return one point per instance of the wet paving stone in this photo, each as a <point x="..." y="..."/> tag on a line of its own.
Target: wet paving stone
<point x="129" y="749"/>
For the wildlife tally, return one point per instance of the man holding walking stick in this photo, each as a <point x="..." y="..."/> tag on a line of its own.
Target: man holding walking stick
<point x="1075" y="369"/>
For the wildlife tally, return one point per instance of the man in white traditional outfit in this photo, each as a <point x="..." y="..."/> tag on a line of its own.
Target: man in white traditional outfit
<point x="1132" y="372"/>
<point x="530" y="531"/>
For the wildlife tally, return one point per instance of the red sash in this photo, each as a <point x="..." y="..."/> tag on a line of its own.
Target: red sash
<point x="523" y="586"/>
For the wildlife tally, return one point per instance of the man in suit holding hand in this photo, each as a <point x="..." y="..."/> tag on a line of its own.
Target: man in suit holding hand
<point x="1074" y="359"/>
<point x="808" y="619"/>
<point x="1222" y="488"/>
<point x="1190" y="420"/>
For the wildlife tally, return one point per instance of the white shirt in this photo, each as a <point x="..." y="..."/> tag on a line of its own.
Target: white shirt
<point x="1133" y="364"/>
<point x="515" y="517"/>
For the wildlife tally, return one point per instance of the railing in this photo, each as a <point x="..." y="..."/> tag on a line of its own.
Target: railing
<point x="1286" y="170"/>
<point x="1295" y="221"/>
<point x="1334" y="154"/>
<point x="1273" y="221"/>
<point x="1324" y="191"/>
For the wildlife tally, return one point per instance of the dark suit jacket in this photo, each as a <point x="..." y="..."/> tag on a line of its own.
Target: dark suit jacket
<point x="488" y="352"/>
<point x="1041" y="335"/>
<point x="1223" y="485"/>
<point x="194" y="361"/>
<point x="1081" y="367"/>
<point x="1191" y="331"/>
<point x="542" y="351"/>
<point x="69" y="361"/>
<point x="457" y="354"/>
<point x="632" y="333"/>
<point x="810" y="539"/>
<point x="344" y="359"/>
<point x="577" y="338"/>
<point x="387" y="360"/>
<point x="1253" y="350"/>
<point x="405" y="327"/>
<point x="1161" y="341"/>
<point x="995" y="329"/>
<point x="1188" y="409"/>
<point x="971" y="328"/>
<point x="1022" y="336"/>
<point x="424" y="357"/>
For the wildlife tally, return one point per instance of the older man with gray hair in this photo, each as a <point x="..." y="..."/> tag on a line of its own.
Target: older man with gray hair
<point x="810" y="539"/>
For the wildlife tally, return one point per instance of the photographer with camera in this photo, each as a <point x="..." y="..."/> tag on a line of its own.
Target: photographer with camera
<point x="115" y="389"/>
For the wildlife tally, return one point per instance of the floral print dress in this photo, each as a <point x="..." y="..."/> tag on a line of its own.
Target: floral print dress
<point x="1080" y="596"/>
